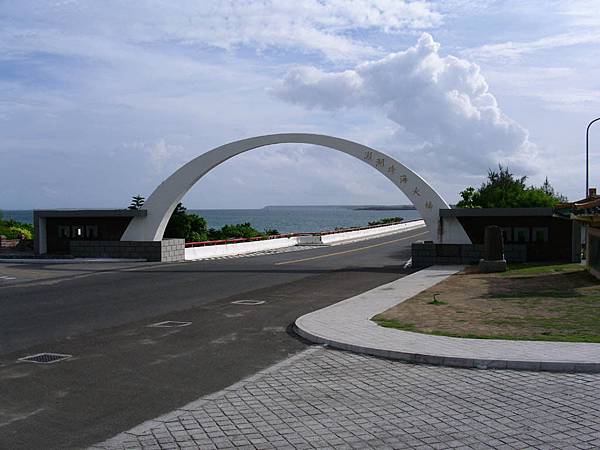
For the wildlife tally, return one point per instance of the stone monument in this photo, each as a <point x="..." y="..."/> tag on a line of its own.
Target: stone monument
<point x="493" y="250"/>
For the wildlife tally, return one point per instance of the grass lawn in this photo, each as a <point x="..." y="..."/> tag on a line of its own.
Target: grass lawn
<point x="547" y="302"/>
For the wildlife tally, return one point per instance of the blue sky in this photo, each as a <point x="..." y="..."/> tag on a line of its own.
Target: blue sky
<point x="102" y="100"/>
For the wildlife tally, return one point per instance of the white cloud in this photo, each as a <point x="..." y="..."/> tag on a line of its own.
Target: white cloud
<point x="516" y="50"/>
<point x="580" y="13"/>
<point x="540" y="28"/>
<point x="81" y="77"/>
<point x="161" y="156"/>
<point x="443" y="101"/>
<point x="306" y="25"/>
<point x="560" y="88"/>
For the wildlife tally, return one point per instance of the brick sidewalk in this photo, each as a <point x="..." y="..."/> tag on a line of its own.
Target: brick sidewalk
<point x="330" y="399"/>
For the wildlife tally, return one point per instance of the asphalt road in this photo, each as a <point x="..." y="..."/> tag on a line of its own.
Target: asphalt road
<point x="124" y="372"/>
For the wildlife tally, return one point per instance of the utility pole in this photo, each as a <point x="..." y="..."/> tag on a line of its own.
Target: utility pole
<point x="587" y="157"/>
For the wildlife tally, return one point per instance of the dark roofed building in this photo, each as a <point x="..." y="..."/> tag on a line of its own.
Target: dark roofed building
<point x="55" y="229"/>
<point x="546" y="235"/>
<point x="530" y="234"/>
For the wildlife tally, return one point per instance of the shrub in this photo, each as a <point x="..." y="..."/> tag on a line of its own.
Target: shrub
<point x="503" y="190"/>
<point x="386" y="220"/>
<point x="241" y="230"/>
<point x="190" y="227"/>
<point x="193" y="228"/>
<point x="12" y="229"/>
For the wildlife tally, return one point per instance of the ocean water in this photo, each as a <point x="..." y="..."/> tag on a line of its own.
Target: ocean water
<point x="21" y="215"/>
<point x="285" y="219"/>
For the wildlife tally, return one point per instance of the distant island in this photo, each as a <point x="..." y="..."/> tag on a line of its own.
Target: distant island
<point x="385" y="208"/>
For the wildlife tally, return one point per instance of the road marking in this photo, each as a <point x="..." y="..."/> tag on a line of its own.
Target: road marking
<point x="349" y="251"/>
<point x="5" y="277"/>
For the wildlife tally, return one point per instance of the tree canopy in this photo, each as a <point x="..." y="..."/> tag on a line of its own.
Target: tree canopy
<point x="502" y="189"/>
<point x="13" y="229"/>
<point x="137" y="201"/>
<point x="193" y="228"/>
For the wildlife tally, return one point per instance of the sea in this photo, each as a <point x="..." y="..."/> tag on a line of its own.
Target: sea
<point x="285" y="219"/>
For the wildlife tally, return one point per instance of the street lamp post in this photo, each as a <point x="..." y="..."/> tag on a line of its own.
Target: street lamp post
<point x="587" y="157"/>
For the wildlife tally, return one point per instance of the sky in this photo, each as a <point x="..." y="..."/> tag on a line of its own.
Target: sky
<point x="100" y="101"/>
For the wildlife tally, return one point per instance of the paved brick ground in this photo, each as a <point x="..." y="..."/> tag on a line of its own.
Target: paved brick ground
<point x="330" y="399"/>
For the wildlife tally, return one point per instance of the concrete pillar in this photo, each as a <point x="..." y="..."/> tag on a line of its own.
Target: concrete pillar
<point x="40" y="245"/>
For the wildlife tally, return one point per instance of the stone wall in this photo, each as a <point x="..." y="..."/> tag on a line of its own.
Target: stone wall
<point x="428" y="254"/>
<point x="8" y="243"/>
<point x="172" y="250"/>
<point x="167" y="250"/>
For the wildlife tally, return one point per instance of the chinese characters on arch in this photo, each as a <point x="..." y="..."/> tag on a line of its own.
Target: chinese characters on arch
<point x="391" y="169"/>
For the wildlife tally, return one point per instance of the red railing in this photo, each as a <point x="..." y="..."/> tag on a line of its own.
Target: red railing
<point x="288" y="235"/>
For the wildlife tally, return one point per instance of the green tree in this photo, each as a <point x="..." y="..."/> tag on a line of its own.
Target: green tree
<point x="241" y="230"/>
<point x="548" y="189"/>
<point x="503" y="190"/>
<point x="193" y="228"/>
<point x="386" y="220"/>
<point x="190" y="227"/>
<point x="180" y="209"/>
<point x="137" y="201"/>
<point x="470" y="198"/>
<point x="13" y="229"/>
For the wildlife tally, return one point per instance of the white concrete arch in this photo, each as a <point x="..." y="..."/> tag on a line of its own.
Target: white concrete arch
<point x="162" y="202"/>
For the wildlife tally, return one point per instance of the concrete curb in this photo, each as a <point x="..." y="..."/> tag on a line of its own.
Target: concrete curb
<point x="347" y="326"/>
<point x="67" y="260"/>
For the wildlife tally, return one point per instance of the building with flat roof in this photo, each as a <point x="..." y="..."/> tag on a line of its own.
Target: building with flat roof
<point x="97" y="233"/>
<point x="530" y="234"/>
<point x="56" y="228"/>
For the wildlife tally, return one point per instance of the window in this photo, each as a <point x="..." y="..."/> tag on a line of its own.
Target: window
<point x="77" y="232"/>
<point x="521" y="234"/>
<point x="506" y="234"/>
<point x="540" y="234"/>
<point x="91" y="231"/>
<point x="64" y="232"/>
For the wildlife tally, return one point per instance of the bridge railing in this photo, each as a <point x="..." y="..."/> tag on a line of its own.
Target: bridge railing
<point x="289" y="235"/>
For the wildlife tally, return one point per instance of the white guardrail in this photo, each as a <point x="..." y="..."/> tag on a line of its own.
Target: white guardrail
<point x="214" y="251"/>
<point x="357" y="235"/>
